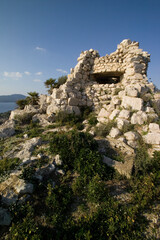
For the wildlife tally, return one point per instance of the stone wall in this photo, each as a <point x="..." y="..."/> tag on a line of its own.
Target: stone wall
<point x="128" y="62"/>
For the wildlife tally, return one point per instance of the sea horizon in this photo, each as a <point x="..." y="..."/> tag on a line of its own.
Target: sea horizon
<point x="7" y="106"/>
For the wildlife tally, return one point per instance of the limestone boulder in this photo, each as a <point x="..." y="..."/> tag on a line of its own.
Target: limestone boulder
<point x="115" y="132"/>
<point x="42" y="119"/>
<point x="73" y="102"/>
<point x="123" y="168"/>
<point x="131" y="136"/>
<point x="139" y="118"/>
<point x="7" y="129"/>
<point x="22" y="187"/>
<point x="124" y="114"/>
<point x="154" y="127"/>
<point x="121" y="123"/>
<point x="73" y="109"/>
<point x="132" y="102"/>
<point x="152" y="138"/>
<point x="131" y="91"/>
<point x="114" y="114"/>
<point x="52" y="108"/>
<point x="28" y="147"/>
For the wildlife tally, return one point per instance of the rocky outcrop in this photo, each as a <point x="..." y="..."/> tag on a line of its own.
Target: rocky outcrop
<point x="7" y="129"/>
<point x="116" y="88"/>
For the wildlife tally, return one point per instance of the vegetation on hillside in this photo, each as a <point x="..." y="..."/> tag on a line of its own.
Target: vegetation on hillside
<point x="80" y="205"/>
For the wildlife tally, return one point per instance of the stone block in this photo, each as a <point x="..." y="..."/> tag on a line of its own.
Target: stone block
<point x="134" y="103"/>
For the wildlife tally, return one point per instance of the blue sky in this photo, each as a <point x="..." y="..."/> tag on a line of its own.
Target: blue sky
<point x="40" y="39"/>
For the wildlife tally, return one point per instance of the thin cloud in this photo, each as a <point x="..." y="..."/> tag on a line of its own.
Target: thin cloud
<point x="27" y="73"/>
<point x="12" y="74"/>
<point x="37" y="80"/>
<point x="40" y="49"/>
<point x="38" y="73"/>
<point x="61" y="70"/>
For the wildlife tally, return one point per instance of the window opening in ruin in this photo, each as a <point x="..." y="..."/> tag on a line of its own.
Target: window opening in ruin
<point x="108" y="78"/>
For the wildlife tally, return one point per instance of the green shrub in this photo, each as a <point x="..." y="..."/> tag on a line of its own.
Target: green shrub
<point x="27" y="173"/>
<point x="127" y="128"/>
<point x="142" y="158"/>
<point x="104" y="129"/>
<point x="26" y="118"/>
<point x="97" y="190"/>
<point x="78" y="151"/>
<point x="22" y="103"/>
<point x="8" y="164"/>
<point x="64" y="118"/>
<point x="117" y="90"/>
<point x="26" y="227"/>
<point x="92" y="119"/>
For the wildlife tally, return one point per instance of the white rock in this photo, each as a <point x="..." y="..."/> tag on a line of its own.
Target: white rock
<point x="22" y="187"/>
<point x="152" y="138"/>
<point x="131" y="136"/>
<point x="134" y="103"/>
<point x="154" y="127"/>
<point x="73" y="109"/>
<point x="114" y="132"/>
<point x="131" y="91"/>
<point x="114" y="114"/>
<point x="125" y="114"/>
<point x="7" y="129"/>
<point x="121" y="123"/>
<point x="28" y="147"/>
<point x="52" y="109"/>
<point x="73" y="101"/>
<point x="103" y="113"/>
<point x="139" y="118"/>
<point x="58" y="160"/>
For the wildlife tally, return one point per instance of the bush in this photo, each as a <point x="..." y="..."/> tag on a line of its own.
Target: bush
<point x="104" y="129"/>
<point x="78" y="151"/>
<point x="25" y="118"/>
<point x="142" y="158"/>
<point x="8" y="164"/>
<point x="22" y="103"/>
<point x="97" y="190"/>
<point x="26" y="227"/>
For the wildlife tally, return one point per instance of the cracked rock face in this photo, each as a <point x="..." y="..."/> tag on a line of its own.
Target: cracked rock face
<point x="7" y="129"/>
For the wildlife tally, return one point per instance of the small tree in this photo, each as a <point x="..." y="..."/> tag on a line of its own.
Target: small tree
<point x="50" y="83"/>
<point x="33" y="98"/>
<point x="61" y="80"/>
<point x="53" y="83"/>
<point x="21" y="103"/>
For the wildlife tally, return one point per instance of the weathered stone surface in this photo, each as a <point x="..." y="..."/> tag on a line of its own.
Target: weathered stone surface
<point x="114" y="132"/>
<point x="114" y="114"/>
<point x="125" y="114"/>
<point x="131" y="136"/>
<point x="122" y="168"/>
<point x="154" y="127"/>
<point x="73" y="101"/>
<point x="152" y="138"/>
<point x="131" y="91"/>
<point x="42" y="119"/>
<point x="22" y="187"/>
<point x="52" y="109"/>
<point x="58" y="160"/>
<point x="134" y="103"/>
<point x="139" y="118"/>
<point x="5" y="218"/>
<point x="28" y="147"/>
<point x="73" y="109"/>
<point x="121" y="123"/>
<point x="7" y="129"/>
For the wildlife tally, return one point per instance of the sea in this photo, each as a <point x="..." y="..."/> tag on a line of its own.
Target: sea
<point x="7" y="106"/>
